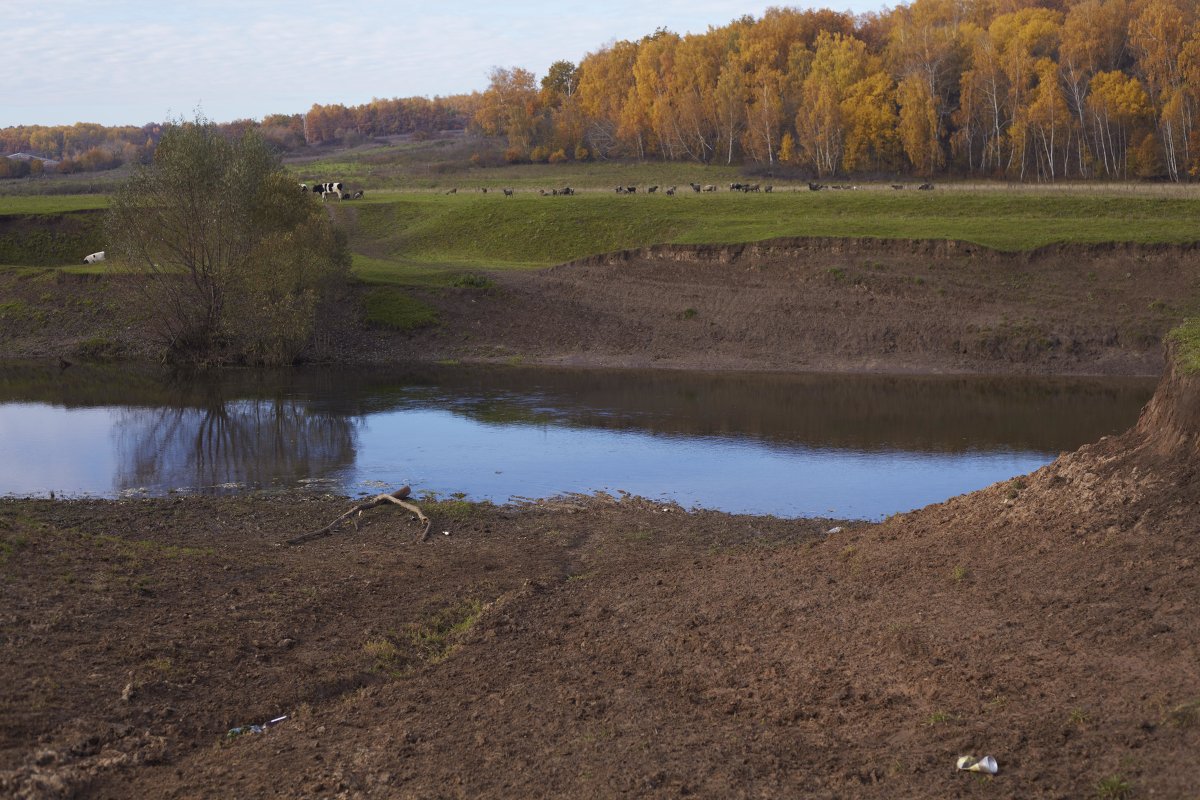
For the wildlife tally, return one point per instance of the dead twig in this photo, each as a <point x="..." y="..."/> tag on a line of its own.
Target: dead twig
<point x="395" y="497"/>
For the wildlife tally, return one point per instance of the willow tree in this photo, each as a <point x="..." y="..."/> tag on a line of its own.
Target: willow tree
<point x="231" y="260"/>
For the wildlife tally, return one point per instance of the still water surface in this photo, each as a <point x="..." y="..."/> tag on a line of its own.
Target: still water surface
<point x="808" y="445"/>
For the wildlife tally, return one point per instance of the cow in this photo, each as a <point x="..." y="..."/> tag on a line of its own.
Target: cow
<point x="712" y="187"/>
<point x="334" y="188"/>
<point x="925" y="187"/>
<point x="507" y="192"/>
<point x="357" y="195"/>
<point x="899" y="187"/>
<point x="452" y="191"/>
<point x="671" y="191"/>
<point x="94" y="258"/>
<point x="815" y="187"/>
<point x="304" y="187"/>
<point x="652" y="190"/>
<point x="695" y="187"/>
<point x="567" y="190"/>
<point x="768" y="188"/>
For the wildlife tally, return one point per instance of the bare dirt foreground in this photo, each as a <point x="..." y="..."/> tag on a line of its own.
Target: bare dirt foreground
<point x="613" y="647"/>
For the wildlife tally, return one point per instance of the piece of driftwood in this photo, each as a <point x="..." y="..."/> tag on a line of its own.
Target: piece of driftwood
<point x="396" y="497"/>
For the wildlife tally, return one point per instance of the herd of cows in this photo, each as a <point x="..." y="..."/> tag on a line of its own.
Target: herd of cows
<point x="695" y="187"/>
<point x="337" y="190"/>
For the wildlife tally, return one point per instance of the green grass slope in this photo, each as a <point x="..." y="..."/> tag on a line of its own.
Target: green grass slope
<point x="424" y="237"/>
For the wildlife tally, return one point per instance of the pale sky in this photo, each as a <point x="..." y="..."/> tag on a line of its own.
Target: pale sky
<point x="135" y="61"/>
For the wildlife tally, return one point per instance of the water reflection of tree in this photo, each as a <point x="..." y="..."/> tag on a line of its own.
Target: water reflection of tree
<point x="257" y="442"/>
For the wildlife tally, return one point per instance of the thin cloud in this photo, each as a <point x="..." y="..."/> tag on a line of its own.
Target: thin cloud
<point x="131" y="61"/>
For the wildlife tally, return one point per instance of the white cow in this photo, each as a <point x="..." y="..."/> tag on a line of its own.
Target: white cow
<point x="94" y="258"/>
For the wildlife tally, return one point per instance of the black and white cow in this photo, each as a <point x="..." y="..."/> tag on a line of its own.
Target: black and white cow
<point x="94" y="258"/>
<point x="325" y="189"/>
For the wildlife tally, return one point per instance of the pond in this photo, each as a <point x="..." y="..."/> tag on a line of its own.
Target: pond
<point x="840" y="446"/>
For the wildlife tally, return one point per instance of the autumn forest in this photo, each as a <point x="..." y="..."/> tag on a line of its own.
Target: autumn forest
<point x="1034" y="90"/>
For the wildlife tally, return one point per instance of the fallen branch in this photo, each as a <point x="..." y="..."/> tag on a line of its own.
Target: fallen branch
<point x="395" y="497"/>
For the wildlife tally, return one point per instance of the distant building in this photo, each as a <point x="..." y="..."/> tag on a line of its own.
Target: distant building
<point x="49" y="162"/>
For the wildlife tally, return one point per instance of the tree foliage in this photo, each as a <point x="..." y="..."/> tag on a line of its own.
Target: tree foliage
<point x="233" y="262"/>
<point x="1020" y="89"/>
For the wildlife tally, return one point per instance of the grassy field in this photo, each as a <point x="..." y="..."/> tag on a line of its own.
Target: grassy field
<point x="51" y="203"/>
<point x="425" y="237"/>
<point x="415" y="233"/>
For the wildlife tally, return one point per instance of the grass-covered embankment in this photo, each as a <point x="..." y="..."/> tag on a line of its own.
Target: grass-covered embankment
<point x="50" y="239"/>
<point x="424" y="237"/>
<point x="1186" y="339"/>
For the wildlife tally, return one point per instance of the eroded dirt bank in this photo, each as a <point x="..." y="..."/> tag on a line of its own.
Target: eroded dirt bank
<point x="791" y="305"/>
<point x="593" y="648"/>
<point x="830" y="304"/>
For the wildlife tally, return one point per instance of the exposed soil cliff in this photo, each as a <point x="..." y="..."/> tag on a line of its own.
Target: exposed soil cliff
<point x="790" y="305"/>
<point x="831" y="304"/>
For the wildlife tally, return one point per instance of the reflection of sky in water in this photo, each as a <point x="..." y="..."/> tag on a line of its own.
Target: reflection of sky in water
<point x="45" y="448"/>
<point x="447" y="442"/>
<point x="440" y="452"/>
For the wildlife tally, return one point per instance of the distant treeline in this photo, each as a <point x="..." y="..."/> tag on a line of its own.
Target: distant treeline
<point x="87" y="147"/>
<point x="1016" y="89"/>
<point x="1013" y="89"/>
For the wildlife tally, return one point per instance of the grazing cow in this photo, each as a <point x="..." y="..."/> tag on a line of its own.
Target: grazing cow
<point x="712" y="187"/>
<point x="335" y="188"/>
<point x="695" y="187"/>
<point x="357" y="195"/>
<point x="507" y="192"/>
<point x="652" y="190"/>
<point x="345" y="195"/>
<point x="620" y="190"/>
<point x="815" y="187"/>
<point x="452" y="191"/>
<point x="483" y="189"/>
<point x="925" y="187"/>
<point x="630" y="190"/>
<point x="304" y="187"/>
<point x="94" y="258"/>
<point x="768" y="188"/>
<point x="670" y="191"/>
<point x="898" y="186"/>
<point x="566" y="190"/>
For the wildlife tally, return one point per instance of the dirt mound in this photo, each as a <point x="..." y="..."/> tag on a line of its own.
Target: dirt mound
<point x="830" y="304"/>
<point x="1170" y="424"/>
